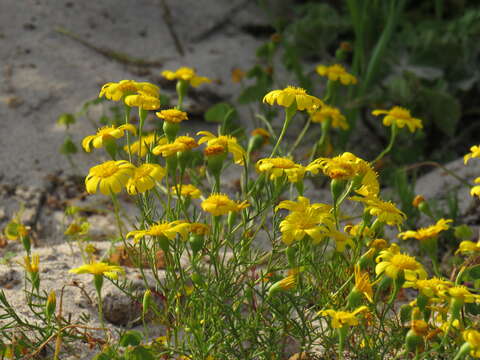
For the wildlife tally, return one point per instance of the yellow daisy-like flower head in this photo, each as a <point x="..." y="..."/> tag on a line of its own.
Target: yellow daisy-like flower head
<point x="428" y="232"/>
<point x="168" y="230"/>
<point x="148" y="141"/>
<point x="429" y="287"/>
<point x="143" y="100"/>
<point x="385" y="211"/>
<point x="336" y="72"/>
<point x="110" y="177"/>
<point x="181" y="144"/>
<point x="199" y="228"/>
<point x="228" y="142"/>
<point x="343" y="318"/>
<point x="106" y="134"/>
<point x="363" y="284"/>
<point x="314" y="220"/>
<point x="144" y="178"/>
<point x="172" y="115"/>
<point x="279" y="166"/>
<point x="32" y="266"/>
<point x="99" y="268"/>
<point x="324" y="113"/>
<point x="400" y="117"/>
<point x="347" y="166"/>
<point x="392" y="262"/>
<point x="468" y="247"/>
<point x="186" y="74"/>
<point x="419" y="327"/>
<point x="263" y="133"/>
<point x="116" y="91"/>
<point x="301" y="205"/>
<point x="474" y="153"/>
<point x="187" y="190"/>
<point x="292" y="95"/>
<point x="149" y="89"/>
<point x="221" y="204"/>
<point x="461" y="294"/>
<point x="472" y="338"/>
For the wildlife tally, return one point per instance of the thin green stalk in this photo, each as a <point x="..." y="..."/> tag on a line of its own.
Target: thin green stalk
<point x="393" y="135"/>
<point x="300" y="136"/>
<point x="128" y="110"/>
<point x="289" y="113"/>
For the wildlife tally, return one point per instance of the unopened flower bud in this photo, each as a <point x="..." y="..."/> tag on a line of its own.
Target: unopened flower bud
<point x="51" y="305"/>
<point x="147" y="301"/>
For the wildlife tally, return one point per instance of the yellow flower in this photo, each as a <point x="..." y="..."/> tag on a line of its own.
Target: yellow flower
<point x="354" y="230"/>
<point x="302" y="204"/>
<point x="291" y="95"/>
<point x="341" y="239"/>
<point x="181" y="144"/>
<point x="313" y="220"/>
<point x="172" y="115"/>
<point x="475" y="191"/>
<point x="461" y="294"/>
<point x="115" y="91"/>
<point x="164" y="229"/>
<point x="99" y="268"/>
<point x="109" y="177"/>
<point x="149" y="89"/>
<point x="76" y="228"/>
<point x="400" y="117"/>
<point x="418" y="200"/>
<point x="143" y="100"/>
<point x="324" y="113"/>
<point x="105" y="134"/>
<point x="279" y="166"/>
<point x="392" y="262"/>
<point x="467" y="247"/>
<point x="363" y="284"/>
<point x="474" y="153"/>
<point x="237" y="75"/>
<point x="429" y="287"/>
<point x="15" y="230"/>
<point x="385" y="211"/>
<point x="346" y="167"/>
<point x="220" y="204"/>
<point x="336" y="72"/>
<point x="343" y="318"/>
<point x="419" y="327"/>
<point x="428" y="232"/>
<point x="263" y="133"/>
<point x="227" y="141"/>
<point x="199" y="228"/>
<point x="472" y="338"/>
<point x="187" y="190"/>
<point x="32" y="265"/>
<point x="144" y="178"/>
<point x="147" y="142"/>
<point x="186" y="74"/>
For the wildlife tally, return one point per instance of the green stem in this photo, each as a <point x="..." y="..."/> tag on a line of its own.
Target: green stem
<point x="142" y="114"/>
<point x="393" y="135"/>
<point x="116" y="207"/>
<point x="300" y="136"/>
<point x="319" y="147"/>
<point x="289" y="113"/>
<point x="128" y="110"/>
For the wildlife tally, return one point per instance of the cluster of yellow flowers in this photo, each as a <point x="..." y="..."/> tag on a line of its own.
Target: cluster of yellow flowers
<point x="361" y="246"/>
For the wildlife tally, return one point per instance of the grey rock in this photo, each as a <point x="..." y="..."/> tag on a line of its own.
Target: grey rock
<point x="9" y="277"/>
